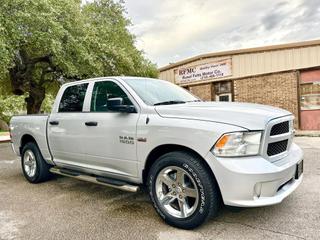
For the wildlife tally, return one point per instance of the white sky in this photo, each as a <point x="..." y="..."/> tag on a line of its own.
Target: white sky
<point x="172" y="30"/>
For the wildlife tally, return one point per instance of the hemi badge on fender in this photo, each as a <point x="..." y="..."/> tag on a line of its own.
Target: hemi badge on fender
<point x="141" y="139"/>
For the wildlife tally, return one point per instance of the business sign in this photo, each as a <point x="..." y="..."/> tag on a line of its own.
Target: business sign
<point x="213" y="70"/>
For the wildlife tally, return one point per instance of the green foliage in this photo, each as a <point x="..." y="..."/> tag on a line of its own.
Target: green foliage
<point x="11" y="105"/>
<point x="112" y="43"/>
<point x="91" y="40"/>
<point x="44" y="43"/>
<point x="47" y="104"/>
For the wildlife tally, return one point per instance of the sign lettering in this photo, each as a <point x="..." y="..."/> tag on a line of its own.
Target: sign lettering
<point x="218" y="69"/>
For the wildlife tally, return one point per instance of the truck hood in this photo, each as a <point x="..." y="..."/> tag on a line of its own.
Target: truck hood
<point x="246" y="115"/>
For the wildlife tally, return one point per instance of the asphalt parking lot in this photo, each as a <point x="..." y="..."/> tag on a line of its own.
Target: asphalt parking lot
<point x="65" y="208"/>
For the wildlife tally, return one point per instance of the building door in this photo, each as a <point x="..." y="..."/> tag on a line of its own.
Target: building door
<point x="310" y="100"/>
<point x="222" y="91"/>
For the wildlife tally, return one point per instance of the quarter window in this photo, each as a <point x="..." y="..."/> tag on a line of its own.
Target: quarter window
<point x="73" y="98"/>
<point x="102" y="91"/>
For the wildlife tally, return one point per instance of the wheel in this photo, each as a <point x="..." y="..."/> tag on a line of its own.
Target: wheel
<point x="182" y="190"/>
<point x="34" y="167"/>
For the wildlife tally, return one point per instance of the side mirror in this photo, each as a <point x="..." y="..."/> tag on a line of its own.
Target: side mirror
<point x="116" y="104"/>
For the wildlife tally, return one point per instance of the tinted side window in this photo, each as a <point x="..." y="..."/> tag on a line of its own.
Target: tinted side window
<point x="102" y="91"/>
<point x="72" y="98"/>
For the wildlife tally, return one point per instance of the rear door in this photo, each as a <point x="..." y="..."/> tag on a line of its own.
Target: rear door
<point x="65" y="126"/>
<point x="110" y="145"/>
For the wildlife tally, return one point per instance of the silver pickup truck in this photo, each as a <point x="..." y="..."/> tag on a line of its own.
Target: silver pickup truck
<point x="127" y="132"/>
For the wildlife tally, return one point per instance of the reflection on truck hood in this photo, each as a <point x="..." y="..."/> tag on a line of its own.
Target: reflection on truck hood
<point x="246" y="115"/>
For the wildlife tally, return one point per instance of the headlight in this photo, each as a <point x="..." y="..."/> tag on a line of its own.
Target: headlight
<point x="238" y="144"/>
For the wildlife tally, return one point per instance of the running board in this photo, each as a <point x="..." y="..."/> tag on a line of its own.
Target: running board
<point x="98" y="180"/>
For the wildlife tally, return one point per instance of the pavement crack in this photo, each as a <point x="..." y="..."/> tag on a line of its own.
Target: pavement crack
<point x="260" y="228"/>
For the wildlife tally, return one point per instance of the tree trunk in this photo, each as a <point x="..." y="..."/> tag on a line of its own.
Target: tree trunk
<point x="22" y="77"/>
<point x="35" y="99"/>
<point x="4" y="126"/>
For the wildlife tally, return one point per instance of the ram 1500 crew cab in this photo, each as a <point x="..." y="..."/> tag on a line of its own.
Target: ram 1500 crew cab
<point x="192" y="155"/>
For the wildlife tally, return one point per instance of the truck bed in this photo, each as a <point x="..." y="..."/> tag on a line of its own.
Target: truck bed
<point x="32" y="125"/>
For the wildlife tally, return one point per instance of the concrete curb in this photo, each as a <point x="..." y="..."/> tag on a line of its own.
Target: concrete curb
<point x="307" y="135"/>
<point x="5" y="138"/>
<point x="300" y="133"/>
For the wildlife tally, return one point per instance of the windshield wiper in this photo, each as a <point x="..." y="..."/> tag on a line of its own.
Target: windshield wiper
<point x="197" y="100"/>
<point x="168" y="102"/>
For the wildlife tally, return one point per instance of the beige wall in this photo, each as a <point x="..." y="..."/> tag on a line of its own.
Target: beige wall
<point x="257" y="63"/>
<point x="278" y="89"/>
<point x="266" y="75"/>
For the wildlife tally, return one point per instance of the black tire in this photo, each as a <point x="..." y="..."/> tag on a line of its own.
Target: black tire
<point x="208" y="190"/>
<point x="42" y="167"/>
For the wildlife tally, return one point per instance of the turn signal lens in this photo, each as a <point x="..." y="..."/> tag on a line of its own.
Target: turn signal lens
<point x="222" y="141"/>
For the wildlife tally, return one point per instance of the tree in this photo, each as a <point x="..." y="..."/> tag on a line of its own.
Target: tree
<point x="44" y="43"/>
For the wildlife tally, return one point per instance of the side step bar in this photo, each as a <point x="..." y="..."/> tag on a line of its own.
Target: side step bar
<point x="98" y="180"/>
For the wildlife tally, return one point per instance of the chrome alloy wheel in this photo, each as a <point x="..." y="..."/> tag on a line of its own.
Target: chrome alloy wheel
<point x="177" y="192"/>
<point x="29" y="163"/>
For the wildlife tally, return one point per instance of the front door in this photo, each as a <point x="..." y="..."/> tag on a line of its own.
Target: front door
<point x="110" y="145"/>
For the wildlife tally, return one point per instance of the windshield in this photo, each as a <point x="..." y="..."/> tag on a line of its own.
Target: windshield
<point x="159" y="92"/>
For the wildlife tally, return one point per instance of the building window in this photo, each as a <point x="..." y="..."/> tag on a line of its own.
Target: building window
<point x="222" y="91"/>
<point x="224" y="97"/>
<point x="222" y="87"/>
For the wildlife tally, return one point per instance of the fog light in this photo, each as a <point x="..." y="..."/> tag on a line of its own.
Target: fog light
<point x="257" y="190"/>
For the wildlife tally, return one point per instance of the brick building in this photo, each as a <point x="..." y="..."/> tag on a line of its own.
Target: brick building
<point x="285" y="76"/>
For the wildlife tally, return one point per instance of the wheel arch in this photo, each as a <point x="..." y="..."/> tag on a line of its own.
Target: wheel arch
<point x="166" y="148"/>
<point x="26" y="138"/>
